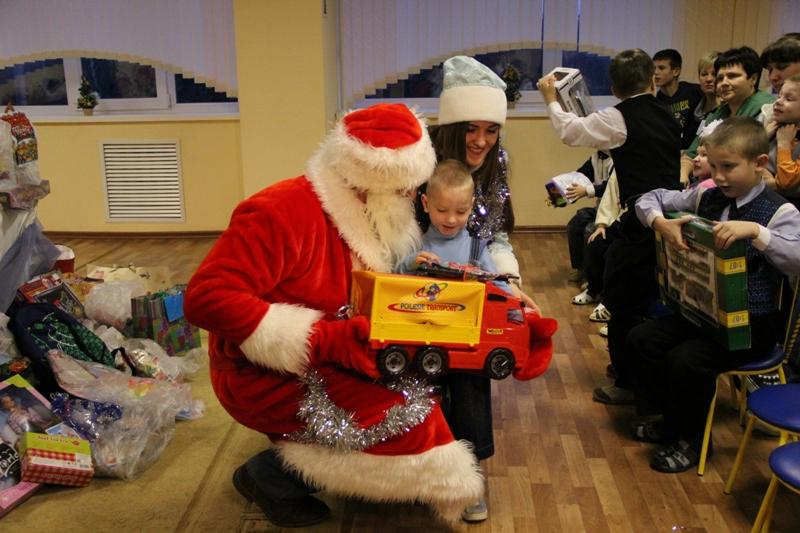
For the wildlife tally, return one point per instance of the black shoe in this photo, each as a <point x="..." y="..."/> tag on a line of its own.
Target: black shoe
<point x="299" y="512"/>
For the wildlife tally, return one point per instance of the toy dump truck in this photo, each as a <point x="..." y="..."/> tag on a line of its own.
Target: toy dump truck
<point x="441" y="325"/>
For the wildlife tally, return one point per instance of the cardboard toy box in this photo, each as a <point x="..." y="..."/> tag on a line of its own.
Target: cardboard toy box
<point x="56" y="459"/>
<point x="572" y="91"/>
<point x="415" y="308"/>
<point x="707" y="285"/>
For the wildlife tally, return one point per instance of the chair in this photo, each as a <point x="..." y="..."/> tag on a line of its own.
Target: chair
<point x="773" y="362"/>
<point x="784" y="462"/>
<point x="778" y="407"/>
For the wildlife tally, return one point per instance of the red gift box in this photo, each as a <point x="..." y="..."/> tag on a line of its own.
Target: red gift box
<point x="56" y="459"/>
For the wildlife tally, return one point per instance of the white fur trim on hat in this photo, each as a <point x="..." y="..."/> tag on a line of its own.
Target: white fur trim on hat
<point x="445" y="477"/>
<point x="280" y="341"/>
<point x="371" y="168"/>
<point x="468" y="103"/>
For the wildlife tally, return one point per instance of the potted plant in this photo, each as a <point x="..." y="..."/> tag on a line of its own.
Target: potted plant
<point x="511" y="76"/>
<point x="88" y="98"/>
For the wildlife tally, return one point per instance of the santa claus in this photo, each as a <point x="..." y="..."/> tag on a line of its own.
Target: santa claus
<point x="284" y="364"/>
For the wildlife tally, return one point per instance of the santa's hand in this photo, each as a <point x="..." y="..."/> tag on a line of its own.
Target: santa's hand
<point x="344" y="342"/>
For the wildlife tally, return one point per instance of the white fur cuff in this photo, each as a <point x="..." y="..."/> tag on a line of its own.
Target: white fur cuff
<point x="445" y="477"/>
<point x="280" y="341"/>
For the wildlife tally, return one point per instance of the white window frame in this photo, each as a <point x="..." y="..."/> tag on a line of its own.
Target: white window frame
<point x="164" y="104"/>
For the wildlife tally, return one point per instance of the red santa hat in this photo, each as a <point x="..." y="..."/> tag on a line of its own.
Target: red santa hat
<point x="384" y="147"/>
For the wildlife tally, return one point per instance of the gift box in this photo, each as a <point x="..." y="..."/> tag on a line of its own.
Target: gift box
<point x="32" y="412"/>
<point x="56" y="459"/>
<point x="160" y="317"/>
<point x="50" y="288"/>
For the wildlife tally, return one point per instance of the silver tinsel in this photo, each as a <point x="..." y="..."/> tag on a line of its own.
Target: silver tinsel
<point x="488" y="216"/>
<point x="329" y="425"/>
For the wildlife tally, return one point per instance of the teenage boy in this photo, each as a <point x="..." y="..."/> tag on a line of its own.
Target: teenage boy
<point x="677" y="362"/>
<point x="681" y="97"/>
<point x="645" y="142"/>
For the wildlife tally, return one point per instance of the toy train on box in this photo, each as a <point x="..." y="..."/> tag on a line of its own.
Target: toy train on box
<point x="455" y="321"/>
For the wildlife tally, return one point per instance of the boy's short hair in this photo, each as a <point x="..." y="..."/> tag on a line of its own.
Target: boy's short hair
<point x="744" y="136"/>
<point x="631" y="72"/>
<point x="707" y="60"/>
<point x="744" y="56"/>
<point x="785" y="50"/>
<point x="671" y="55"/>
<point x="450" y="174"/>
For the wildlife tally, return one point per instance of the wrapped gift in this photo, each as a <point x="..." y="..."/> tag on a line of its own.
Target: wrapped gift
<point x="160" y="317"/>
<point x="154" y="278"/>
<point x="31" y="412"/>
<point x="56" y="459"/>
<point x="50" y="288"/>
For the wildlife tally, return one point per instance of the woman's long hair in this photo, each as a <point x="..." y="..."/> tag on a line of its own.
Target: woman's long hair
<point x="449" y="142"/>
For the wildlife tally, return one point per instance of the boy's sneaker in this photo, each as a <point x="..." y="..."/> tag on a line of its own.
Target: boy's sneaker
<point x="477" y="512"/>
<point x="603" y="331"/>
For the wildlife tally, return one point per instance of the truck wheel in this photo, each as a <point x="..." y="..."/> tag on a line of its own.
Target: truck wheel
<point x="499" y="364"/>
<point x="431" y="362"/>
<point x="392" y="361"/>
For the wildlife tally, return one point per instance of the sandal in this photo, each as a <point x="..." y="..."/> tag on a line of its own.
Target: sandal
<point x="676" y="458"/>
<point x="585" y="298"/>
<point x="648" y="431"/>
<point x="599" y="314"/>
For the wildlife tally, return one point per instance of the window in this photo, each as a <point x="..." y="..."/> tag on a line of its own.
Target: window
<point x="428" y="83"/>
<point x="39" y="83"/>
<point x="50" y="87"/>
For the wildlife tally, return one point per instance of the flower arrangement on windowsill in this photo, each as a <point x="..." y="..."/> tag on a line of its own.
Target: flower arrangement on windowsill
<point x="511" y="76"/>
<point x="88" y="98"/>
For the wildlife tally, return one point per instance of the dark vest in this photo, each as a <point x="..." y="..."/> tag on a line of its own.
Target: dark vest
<point x="650" y="157"/>
<point x="763" y="279"/>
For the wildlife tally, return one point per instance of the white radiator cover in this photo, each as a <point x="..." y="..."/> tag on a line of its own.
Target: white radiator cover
<point x="143" y="180"/>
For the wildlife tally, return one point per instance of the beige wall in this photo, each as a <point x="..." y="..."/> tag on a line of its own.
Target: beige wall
<point x="288" y="96"/>
<point x="536" y="155"/>
<point x="69" y="156"/>
<point x="287" y="85"/>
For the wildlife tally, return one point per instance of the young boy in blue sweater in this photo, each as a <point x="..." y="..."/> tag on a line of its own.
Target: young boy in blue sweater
<point x="448" y="201"/>
<point x="677" y="362"/>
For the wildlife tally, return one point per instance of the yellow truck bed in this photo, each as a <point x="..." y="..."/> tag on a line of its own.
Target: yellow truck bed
<point x="418" y="309"/>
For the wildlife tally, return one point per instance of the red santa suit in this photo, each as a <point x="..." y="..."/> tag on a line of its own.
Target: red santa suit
<point x="268" y="293"/>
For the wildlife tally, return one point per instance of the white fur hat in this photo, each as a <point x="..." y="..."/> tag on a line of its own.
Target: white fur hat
<point x="471" y="92"/>
<point x="385" y="147"/>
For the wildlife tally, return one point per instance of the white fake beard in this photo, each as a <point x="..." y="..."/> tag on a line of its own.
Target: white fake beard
<point x="392" y="219"/>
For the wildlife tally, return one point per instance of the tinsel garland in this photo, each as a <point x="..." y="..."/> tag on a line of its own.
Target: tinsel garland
<point x="488" y="216"/>
<point x="329" y="425"/>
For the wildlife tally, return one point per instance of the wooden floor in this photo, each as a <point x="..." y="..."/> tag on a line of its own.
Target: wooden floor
<point x="563" y="462"/>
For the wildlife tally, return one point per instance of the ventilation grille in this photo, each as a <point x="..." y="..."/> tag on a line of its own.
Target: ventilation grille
<point x="143" y="180"/>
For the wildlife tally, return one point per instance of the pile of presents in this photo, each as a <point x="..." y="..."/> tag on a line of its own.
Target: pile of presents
<point x="92" y="372"/>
